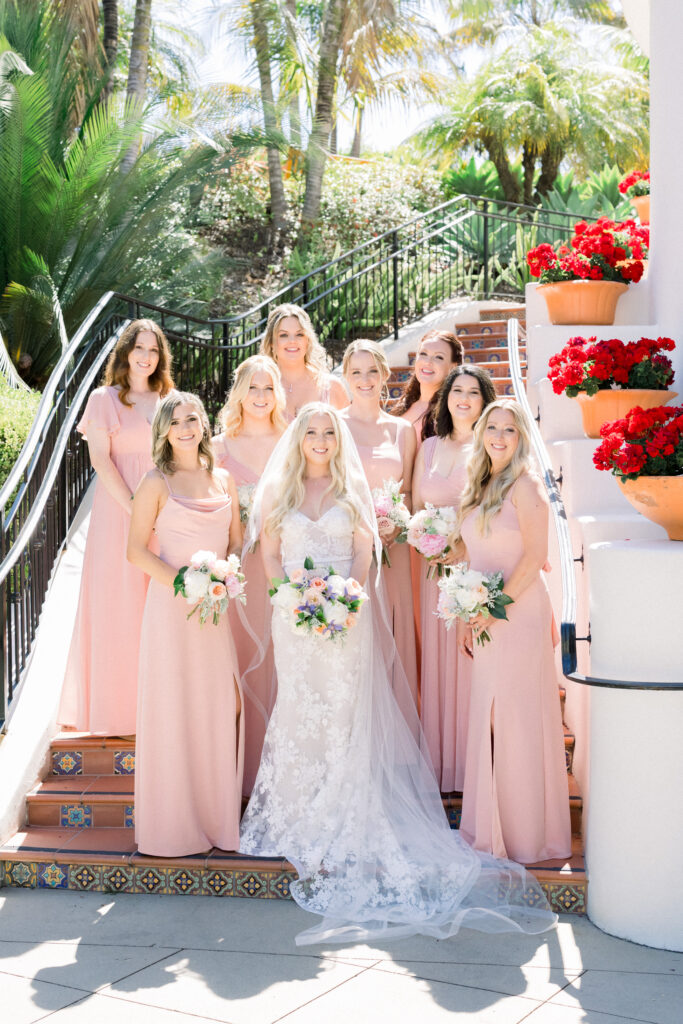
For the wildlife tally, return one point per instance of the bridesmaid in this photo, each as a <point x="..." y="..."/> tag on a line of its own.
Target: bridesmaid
<point x="439" y="479"/>
<point x="386" y="446"/>
<point x="437" y="354"/>
<point x="100" y="692"/>
<point x="190" y="741"/>
<point x="291" y="341"/>
<point x="251" y="422"/>
<point x="516" y="800"/>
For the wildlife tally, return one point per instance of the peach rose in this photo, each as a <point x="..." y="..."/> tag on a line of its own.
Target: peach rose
<point x="353" y="587"/>
<point x="217" y="591"/>
<point x="296" y="576"/>
<point x="318" y="583"/>
<point x="312" y="596"/>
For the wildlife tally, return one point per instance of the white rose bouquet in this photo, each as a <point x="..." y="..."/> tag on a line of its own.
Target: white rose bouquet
<point x="323" y="603"/>
<point x="245" y="496"/>
<point x="209" y="583"/>
<point x="391" y="512"/>
<point x="466" y="593"/>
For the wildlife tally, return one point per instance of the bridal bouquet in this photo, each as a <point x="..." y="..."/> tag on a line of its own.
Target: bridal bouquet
<point x="428" y="532"/>
<point x="391" y="512"/>
<point x="209" y="583"/>
<point x="322" y="603"/>
<point x="245" y="496"/>
<point x="466" y="593"/>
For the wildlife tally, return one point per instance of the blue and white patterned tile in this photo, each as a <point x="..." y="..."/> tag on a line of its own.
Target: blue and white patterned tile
<point x="67" y="762"/>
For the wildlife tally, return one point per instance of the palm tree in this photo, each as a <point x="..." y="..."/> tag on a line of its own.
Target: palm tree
<point x="278" y="202"/>
<point x="547" y="99"/>
<point x="110" y="40"/>
<point x="138" y="63"/>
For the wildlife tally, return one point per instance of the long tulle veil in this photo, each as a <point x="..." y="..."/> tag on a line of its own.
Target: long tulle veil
<point x="387" y="862"/>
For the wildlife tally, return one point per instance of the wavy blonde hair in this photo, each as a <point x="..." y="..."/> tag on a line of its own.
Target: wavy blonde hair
<point x="315" y="357"/>
<point x="117" y="369"/>
<point x="378" y="354"/>
<point x="162" y="450"/>
<point x="231" y="416"/>
<point x="293" y="492"/>
<point x="487" y="491"/>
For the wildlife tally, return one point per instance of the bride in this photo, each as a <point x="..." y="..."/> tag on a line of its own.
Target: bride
<point x="343" y="790"/>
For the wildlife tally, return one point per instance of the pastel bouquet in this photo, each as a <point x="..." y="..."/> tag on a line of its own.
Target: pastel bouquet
<point x="245" y="496"/>
<point x="392" y="513"/>
<point x="209" y="583"/>
<point x="466" y="593"/>
<point x="324" y="604"/>
<point x="429" y="530"/>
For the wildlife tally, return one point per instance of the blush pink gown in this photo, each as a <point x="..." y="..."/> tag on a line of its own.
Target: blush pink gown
<point x="516" y="799"/>
<point x="260" y="682"/>
<point x="100" y="683"/>
<point x="385" y="462"/>
<point x="445" y="674"/>
<point x="189" y="754"/>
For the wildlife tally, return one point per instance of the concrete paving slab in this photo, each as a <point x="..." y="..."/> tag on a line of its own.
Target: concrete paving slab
<point x="76" y="964"/>
<point x="550" y="1013"/>
<point x="376" y="995"/>
<point x="240" y="988"/>
<point x="99" y="1009"/>
<point x="23" y="1001"/>
<point x="532" y="982"/>
<point x="657" y="998"/>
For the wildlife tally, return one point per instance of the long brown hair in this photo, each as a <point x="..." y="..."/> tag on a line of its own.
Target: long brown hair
<point x="116" y="372"/>
<point x="411" y="392"/>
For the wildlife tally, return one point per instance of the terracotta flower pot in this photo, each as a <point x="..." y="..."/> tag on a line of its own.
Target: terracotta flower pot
<point x="582" y="302"/>
<point x="606" y="406"/>
<point x="642" y="208"/>
<point x="659" y="499"/>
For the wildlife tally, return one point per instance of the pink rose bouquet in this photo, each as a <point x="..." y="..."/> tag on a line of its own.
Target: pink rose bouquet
<point x="429" y="530"/>
<point x="392" y="514"/>
<point x="209" y="583"/>
<point x="324" y="604"/>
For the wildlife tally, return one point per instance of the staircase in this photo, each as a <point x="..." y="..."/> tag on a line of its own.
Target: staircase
<point x="485" y="343"/>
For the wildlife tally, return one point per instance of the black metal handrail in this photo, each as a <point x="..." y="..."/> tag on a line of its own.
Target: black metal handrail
<point x="569" y="601"/>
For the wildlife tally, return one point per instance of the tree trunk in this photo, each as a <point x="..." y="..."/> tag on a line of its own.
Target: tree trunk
<point x="528" y="169"/>
<point x="508" y="180"/>
<point x="293" y="105"/>
<point x="357" y="131"/>
<point x="334" y="148"/>
<point x="111" y="42"/>
<point x="139" y="53"/>
<point x="550" y="165"/>
<point x="316" y="155"/>
<point x="278" y="202"/>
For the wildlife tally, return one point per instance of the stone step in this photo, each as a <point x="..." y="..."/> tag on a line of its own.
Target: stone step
<point x="82" y="801"/>
<point x="107" y="860"/>
<point x="74" y="753"/>
<point x="503" y="386"/>
<point x="497" y="327"/>
<point x="503" y="313"/>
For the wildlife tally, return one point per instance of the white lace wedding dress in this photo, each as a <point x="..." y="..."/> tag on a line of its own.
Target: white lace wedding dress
<point x="344" y="793"/>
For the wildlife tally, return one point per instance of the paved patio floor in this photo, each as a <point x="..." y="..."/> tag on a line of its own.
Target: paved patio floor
<point x="87" y="958"/>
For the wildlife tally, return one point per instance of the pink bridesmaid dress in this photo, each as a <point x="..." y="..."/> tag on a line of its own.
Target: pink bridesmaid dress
<point x="445" y="673"/>
<point x="189" y="754"/>
<point x="100" y="683"/>
<point x="385" y="462"/>
<point x="260" y="682"/>
<point x="516" y="799"/>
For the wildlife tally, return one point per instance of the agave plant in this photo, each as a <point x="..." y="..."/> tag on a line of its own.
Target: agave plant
<point x="73" y="223"/>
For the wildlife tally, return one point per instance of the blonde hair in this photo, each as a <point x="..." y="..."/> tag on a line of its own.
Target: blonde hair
<point x="293" y="492"/>
<point x="117" y="369"/>
<point x="378" y="354"/>
<point x="315" y="357"/>
<point x="231" y="416"/>
<point x="162" y="450"/>
<point x="487" y="491"/>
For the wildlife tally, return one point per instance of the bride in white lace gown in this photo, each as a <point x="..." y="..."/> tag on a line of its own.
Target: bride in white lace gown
<point x="343" y="790"/>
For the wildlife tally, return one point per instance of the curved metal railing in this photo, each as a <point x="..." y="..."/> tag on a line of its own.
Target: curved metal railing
<point x="567" y="560"/>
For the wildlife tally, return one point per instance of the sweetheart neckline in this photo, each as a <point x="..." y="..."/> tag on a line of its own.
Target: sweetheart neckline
<point x="319" y="519"/>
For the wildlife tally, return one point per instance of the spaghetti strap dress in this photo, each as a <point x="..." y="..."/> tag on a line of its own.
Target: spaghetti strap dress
<point x="515" y="799"/>
<point x="255" y="667"/>
<point x="100" y="683"/>
<point x="385" y="462"/>
<point x="445" y="673"/>
<point x="189" y="748"/>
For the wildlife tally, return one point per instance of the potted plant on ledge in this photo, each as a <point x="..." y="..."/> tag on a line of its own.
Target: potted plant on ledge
<point x="582" y="282"/>
<point x="645" y="451"/>
<point x="636" y="187"/>
<point x="609" y="378"/>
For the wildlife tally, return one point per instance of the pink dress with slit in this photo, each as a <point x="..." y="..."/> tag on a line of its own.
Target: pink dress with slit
<point x="385" y="462"/>
<point x="260" y="681"/>
<point x="100" y="682"/>
<point x="189" y="753"/>
<point x="445" y="673"/>
<point x="516" y="799"/>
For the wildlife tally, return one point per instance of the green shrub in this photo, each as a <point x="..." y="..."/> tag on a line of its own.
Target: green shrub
<point x="17" y="411"/>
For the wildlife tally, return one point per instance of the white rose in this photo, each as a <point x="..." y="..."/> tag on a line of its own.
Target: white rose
<point x="336" y="614"/>
<point x="286" y="598"/>
<point x="336" y="585"/>
<point x="442" y="527"/>
<point x="471" y="578"/>
<point x="468" y="600"/>
<point x="196" y="585"/>
<point x="233" y="563"/>
<point x="202" y="558"/>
